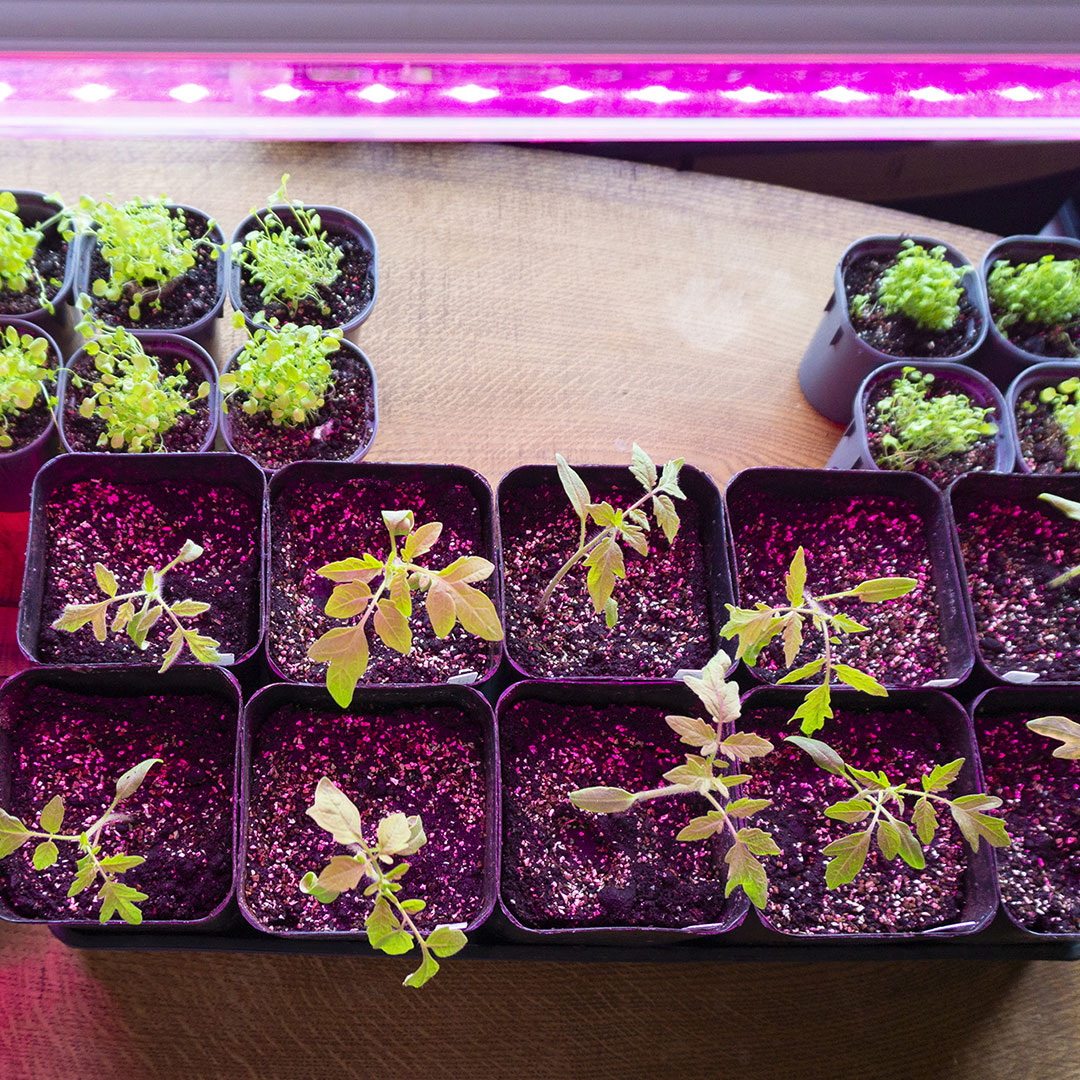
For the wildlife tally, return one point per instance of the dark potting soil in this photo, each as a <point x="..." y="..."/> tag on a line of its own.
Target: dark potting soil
<point x="1061" y="341"/>
<point x="664" y="621"/>
<point x="846" y="540"/>
<point x="185" y="300"/>
<point x="1042" y="442"/>
<point x="187" y="434"/>
<point x="1011" y="552"/>
<point x="564" y="867"/>
<point x="978" y="458"/>
<point x="345" y="423"/>
<point x="899" y="335"/>
<point x="50" y="261"/>
<point x="25" y="425"/>
<point x="886" y="897"/>
<point x="129" y="527"/>
<point x="1040" y="872"/>
<point x="180" y="820"/>
<point x="429" y="763"/>
<point x="316" y="522"/>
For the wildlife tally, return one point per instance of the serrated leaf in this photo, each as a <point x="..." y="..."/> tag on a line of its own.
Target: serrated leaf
<point x="351" y="569"/>
<point x="52" y="816"/>
<point x="815" y="709"/>
<point x="634" y="536"/>
<point x="669" y="478"/>
<point x="574" y="486"/>
<point x="335" y="812"/>
<point x="795" y="580"/>
<point x="745" y="808"/>
<point x="859" y="680"/>
<point x="975" y="825"/>
<point x="605" y="563"/>
<point x="745" y="746"/>
<point x="392" y="627"/>
<point x="876" y="590"/>
<point x="133" y="779"/>
<point x="847" y="858"/>
<point x="747" y="873"/>
<point x="341" y="874"/>
<point x="422" y="540"/>
<point x="720" y="697"/>
<point x="690" y="775"/>
<point x="666" y="516"/>
<point x="602" y="800"/>
<point x="76" y="616"/>
<point x="641" y="465"/>
<point x="941" y="776"/>
<point x="345" y="649"/>
<point x="428" y="969"/>
<point x="849" y="810"/>
<point x="800" y="674"/>
<point x="189" y="609"/>
<point x="700" y="828"/>
<point x="105" y="579"/>
<point x="45" y="854"/>
<point x="758" y="841"/>
<point x="604" y="514"/>
<point x="692" y="731"/>
<point x="206" y="649"/>
<point x="446" y="941"/>
<point x="84" y="878"/>
<point x="121" y="864"/>
<point x="123" y="615"/>
<point x="176" y="643"/>
<point x="1061" y="728"/>
<point x="847" y="624"/>
<point x="925" y="819"/>
<point x="793" y="638"/>
<point x="469" y="606"/>
<point x="876" y="781"/>
<point x="823" y="754"/>
<point x="118" y="898"/>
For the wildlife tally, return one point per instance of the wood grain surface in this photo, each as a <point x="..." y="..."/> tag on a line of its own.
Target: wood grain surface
<point x="532" y="302"/>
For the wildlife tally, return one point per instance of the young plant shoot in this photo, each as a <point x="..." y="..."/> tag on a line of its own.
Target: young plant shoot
<point x="1071" y="510"/>
<point x="1063" y="401"/>
<point x="601" y="553"/>
<point x="876" y="797"/>
<point x="706" y="774"/>
<point x="24" y="374"/>
<point x="448" y="597"/>
<point x="1046" y="293"/>
<point x="18" y="246"/>
<point x="389" y="924"/>
<point x="137" y="621"/>
<point x="116" y="897"/>
<point x="756" y="627"/>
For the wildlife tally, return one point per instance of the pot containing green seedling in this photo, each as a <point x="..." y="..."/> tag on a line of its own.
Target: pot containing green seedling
<point x="1043" y="408"/>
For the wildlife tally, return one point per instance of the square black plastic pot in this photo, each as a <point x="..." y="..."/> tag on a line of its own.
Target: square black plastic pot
<point x="777" y="492"/>
<point x="524" y="747"/>
<point x="474" y="719"/>
<point x="914" y="715"/>
<point x="1036" y="376"/>
<point x="837" y="359"/>
<point x="119" y="683"/>
<point x="523" y="486"/>
<point x="428" y="490"/>
<point x="55" y="480"/>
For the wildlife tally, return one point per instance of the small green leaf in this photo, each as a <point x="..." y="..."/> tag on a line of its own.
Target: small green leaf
<point x="641" y="465"/>
<point x="118" y="898"/>
<point x="801" y="674"/>
<point x="428" y="969"/>
<point x="666" y="516"/>
<point x="795" y="581"/>
<point x="446" y="941"/>
<point x="888" y="839"/>
<point x="745" y="746"/>
<point x="105" y="579"/>
<point x="392" y="627"/>
<point x="941" y="776"/>
<point x="910" y="851"/>
<point x="413" y="907"/>
<point x="758" y="841"/>
<point x="1068" y="507"/>
<point x="876" y="590"/>
<point x="745" y="808"/>
<point x="747" y="873"/>
<point x="605" y="563"/>
<point x="189" y="609"/>
<point x="52" y="816"/>
<point x="700" y="828"/>
<point x="815" y="709"/>
<point x="793" y="638"/>
<point x="335" y="812"/>
<point x="574" y="486"/>
<point x="45" y="854"/>
<point x="925" y="819"/>
<point x="132" y="780"/>
<point x="669" y="478"/>
<point x="848" y="856"/>
<point x="1061" y="728"/>
<point x="967" y="812"/>
<point x="422" y="540"/>
<point x="345" y="649"/>
<point x="602" y="800"/>
<point x="149" y="582"/>
<point x="823" y="754"/>
<point x="611" y="612"/>
<point x="859" y="680"/>
<point x="341" y="874"/>
<point x="849" y="810"/>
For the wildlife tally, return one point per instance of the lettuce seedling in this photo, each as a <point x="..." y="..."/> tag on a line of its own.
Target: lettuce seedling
<point x="1071" y="510"/>
<point x="18" y="246"/>
<point x="24" y="374"/>
<point x="1063" y="401"/>
<point x="1046" y="293"/>
<point x="116" y="897"/>
<point x="389" y="924"/>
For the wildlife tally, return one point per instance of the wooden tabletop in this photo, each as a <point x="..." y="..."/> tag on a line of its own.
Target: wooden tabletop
<point x="533" y="302"/>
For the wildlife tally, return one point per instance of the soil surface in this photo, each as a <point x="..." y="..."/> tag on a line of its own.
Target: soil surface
<point x="316" y="522"/>
<point x="885" y="897"/>
<point x="899" y="335"/>
<point x="184" y="303"/>
<point x="1040" y="872"/>
<point x="130" y="527"/>
<point x="428" y="762"/>
<point x="50" y="260"/>
<point x="1039" y="339"/>
<point x="1042" y="442"/>
<point x="564" y="867"/>
<point x="846" y="540"/>
<point x="344" y="424"/>
<point x="664" y="621"/>
<point x="187" y="435"/>
<point x="25" y="425"/>
<point x="180" y="820"/>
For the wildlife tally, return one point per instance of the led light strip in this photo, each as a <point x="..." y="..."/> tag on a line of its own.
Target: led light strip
<point x="262" y="96"/>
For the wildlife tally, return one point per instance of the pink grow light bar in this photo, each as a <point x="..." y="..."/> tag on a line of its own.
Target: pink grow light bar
<point x="527" y="97"/>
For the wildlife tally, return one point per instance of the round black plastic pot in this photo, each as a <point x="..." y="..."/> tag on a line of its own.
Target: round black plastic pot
<point x="999" y="359"/>
<point x="551" y="735"/>
<point x="703" y="583"/>
<point x="459" y="711"/>
<point x="853" y="451"/>
<point x="219" y="478"/>
<point x="18" y="466"/>
<point x="322" y="511"/>
<point x="1036" y="376"/>
<point x="863" y="510"/>
<point x="837" y="359"/>
<point x="367" y="408"/>
<point x="161" y="346"/>
<point x="336" y="223"/>
<point x="119" y="684"/>
<point x="200" y="330"/>
<point x="926" y="725"/>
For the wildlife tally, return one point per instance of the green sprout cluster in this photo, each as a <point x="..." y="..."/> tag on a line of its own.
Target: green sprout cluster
<point x="24" y="373"/>
<point x="920" y="426"/>
<point x="282" y="371"/>
<point x="921" y="284"/>
<point x="1046" y="292"/>
<point x="18" y="246"/>
<point x="1063" y="401"/>
<point x="290" y="264"/>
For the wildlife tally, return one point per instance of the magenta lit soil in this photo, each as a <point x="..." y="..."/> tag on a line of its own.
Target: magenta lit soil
<point x="25" y="425"/>
<point x="1043" y="443"/>
<point x="130" y="527"/>
<point x="429" y="763"/>
<point x="50" y="262"/>
<point x="564" y="867"/>
<point x="664" y="621"/>
<point x="886" y="897"/>
<point x="316" y="522"/>
<point x="180" y="820"/>
<point x="847" y="540"/>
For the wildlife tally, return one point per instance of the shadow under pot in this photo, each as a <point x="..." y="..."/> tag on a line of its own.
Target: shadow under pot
<point x="1009" y="351"/>
<point x="1015" y="546"/>
<point x="130" y="513"/>
<point x="847" y="347"/>
<point x="670" y="605"/>
<point x="349" y="298"/>
<point x="188" y="305"/>
<point x="187" y="423"/>
<point x="324" y="512"/>
<point x="1039" y="874"/>
<point x="1043" y="407"/>
<point x="904" y="736"/>
<point x="343" y="429"/>
<point x="569" y="875"/>
<point x="853" y="527"/>
<point x="73" y="733"/>
<point x="946" y="440"/>
<point x="32" y="431"/>
<point x="424" y="751"/>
